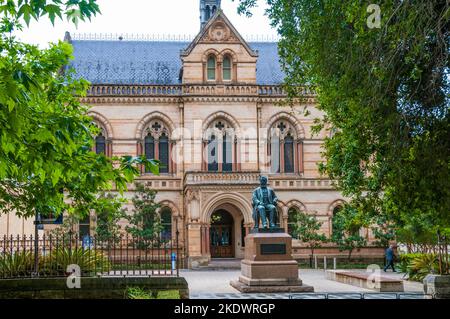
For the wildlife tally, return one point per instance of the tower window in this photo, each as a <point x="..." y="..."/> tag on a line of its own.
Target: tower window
<point x="227" y="68"/>
<point x="211" y="68"/>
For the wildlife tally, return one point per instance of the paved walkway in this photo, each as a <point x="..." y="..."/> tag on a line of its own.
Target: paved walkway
<point x="210" y="284"/>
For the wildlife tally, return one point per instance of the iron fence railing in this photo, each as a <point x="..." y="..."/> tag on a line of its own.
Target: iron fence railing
<point x="61" y="255"/>
<point x="357" y="295"/>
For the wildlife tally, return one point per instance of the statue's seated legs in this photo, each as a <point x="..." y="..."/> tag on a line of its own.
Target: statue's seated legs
<point x="272" y="213"/>
<point x="271" y="209"/>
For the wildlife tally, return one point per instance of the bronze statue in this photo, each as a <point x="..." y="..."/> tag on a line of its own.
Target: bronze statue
<point x="264" y="201"/>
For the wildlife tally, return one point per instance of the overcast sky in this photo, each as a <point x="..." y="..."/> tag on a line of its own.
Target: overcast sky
<point x="162" y="17"/>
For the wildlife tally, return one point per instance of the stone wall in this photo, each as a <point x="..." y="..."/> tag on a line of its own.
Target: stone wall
<point x="91" y="288"/>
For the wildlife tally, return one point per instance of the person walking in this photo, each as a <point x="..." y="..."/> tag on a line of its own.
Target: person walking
<point x="390" y="255"/>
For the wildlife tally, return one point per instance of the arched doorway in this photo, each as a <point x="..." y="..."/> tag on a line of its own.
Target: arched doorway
<point x="221" y="234"/>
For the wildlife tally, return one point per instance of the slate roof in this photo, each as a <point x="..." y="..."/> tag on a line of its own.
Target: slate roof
<point x="153" y="62"/>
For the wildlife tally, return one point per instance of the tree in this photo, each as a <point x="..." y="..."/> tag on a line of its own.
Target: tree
<point x="145" y="224"/>
<point x="108" y="218"/>
<point x="306" y="228"/>
<point x="346" y="228"/>
<point x="385" y="91"/>
<point x="46" y="137"/>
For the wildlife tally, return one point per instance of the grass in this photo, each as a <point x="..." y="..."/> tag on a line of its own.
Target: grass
<point x="139" y="293"/>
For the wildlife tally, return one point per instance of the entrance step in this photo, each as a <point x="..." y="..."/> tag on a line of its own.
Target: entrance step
<point x="222" y="264"/>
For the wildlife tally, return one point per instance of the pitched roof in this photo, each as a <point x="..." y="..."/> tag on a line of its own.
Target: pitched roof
<point x="153" y="62"/>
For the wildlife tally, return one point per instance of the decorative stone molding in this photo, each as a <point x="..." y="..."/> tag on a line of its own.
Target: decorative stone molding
<point x="227" y="118"/>
<point x="236" y="199"/>
<point x="299" y="130"/>
<point x="174" y="209"/>
<point x="333" y="205"/>
<point x="144" y="122"/>
<point x="103" y="122"/>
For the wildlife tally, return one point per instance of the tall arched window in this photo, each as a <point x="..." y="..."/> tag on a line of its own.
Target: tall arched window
<point x="211" y="68"/>
<point x="208" y="12"/>
<point x="336" y="210"/>
<point x="100" y="144"/>
<point x="157" y="145"/>
<point x="213" y="152"/>
<point x="226" y="66"/>
<point x="284" y="149"/>
<point x="221" y="147"/>
<point x="166" y="223"/>
<point x="289" y="154"/>
<point x="292" y="212"/>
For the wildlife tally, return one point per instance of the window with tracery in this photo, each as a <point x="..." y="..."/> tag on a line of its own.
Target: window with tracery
<point x="285" y="149"/>
<point x="211" y="68"/>
<point x="157" y="144"/>
<point x="220" y="147"/>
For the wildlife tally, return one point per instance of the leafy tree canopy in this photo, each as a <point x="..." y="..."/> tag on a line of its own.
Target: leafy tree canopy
<point x="46" y="160"/>
<point x="385" y="91"/>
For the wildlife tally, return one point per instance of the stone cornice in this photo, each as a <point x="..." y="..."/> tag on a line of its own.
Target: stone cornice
<point x="185" y="93"/>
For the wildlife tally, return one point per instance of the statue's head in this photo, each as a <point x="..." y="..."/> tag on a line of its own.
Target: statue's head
<point x="263" y="181"/>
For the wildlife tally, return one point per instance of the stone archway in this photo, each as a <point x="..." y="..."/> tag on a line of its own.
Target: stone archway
<point x="231" y="232"/>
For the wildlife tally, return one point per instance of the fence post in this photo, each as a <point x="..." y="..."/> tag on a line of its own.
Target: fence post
<point x="315" y="262"/>
<point x="334" y="263"/>
<point x="324" y="262"/>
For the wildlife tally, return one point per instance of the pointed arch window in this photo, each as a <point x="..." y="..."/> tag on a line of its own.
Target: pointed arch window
<point x="166" y="223"/>
<point x="285" y="150"/>
<point x="211" y="68"/>
<point x="157" y="145"/>
<point x="208" y="12"/>
<point x="226" y="66"/>
<point x="221" y="147"/>
<point x="100" y="144"/>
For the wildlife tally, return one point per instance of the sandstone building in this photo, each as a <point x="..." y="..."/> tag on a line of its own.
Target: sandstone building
<point x="209" y="111"/>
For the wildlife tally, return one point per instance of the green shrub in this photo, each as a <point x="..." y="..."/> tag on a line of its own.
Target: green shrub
<point x="89" y="261"/>
<point x="16" y="264"/>
<point x="139" y="293"/>
<point x="418" y="265"/>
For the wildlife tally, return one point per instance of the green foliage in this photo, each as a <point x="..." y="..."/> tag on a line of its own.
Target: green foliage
<point x="139" y="293"/>
<point x="145" y="224"/>
<point x="346" y="225"/>
<point x="16" y="264"/>
<point x="420" y="265"/>
<point x="90" y="261"/>
<point x="306" y="228"/>
<point x="385" y="94"/>
<point x="108" y="217"/>
<point x="21" y="263"/>
<point x="46" y="137"/>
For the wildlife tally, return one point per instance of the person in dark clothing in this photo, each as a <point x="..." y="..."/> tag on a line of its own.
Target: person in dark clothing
<point x="390" y="258"/>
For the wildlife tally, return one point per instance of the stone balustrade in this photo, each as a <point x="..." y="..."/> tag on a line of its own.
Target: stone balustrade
<point x="189" y="90"/>
<point x="252" y="178"/>
<point x="221" y="178"/>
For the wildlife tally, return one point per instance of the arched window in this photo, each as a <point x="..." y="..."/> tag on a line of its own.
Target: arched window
<point x="208" y="12"/>
<point x="166" y="223"/>
<point x="213" y="152"/>
<point x="214" y="8"/>
<point x="84" y="227"/>
<point x="289" y="154"/>
<point x="157" y="145"/>
<point x="284" y="150"/>
<point x="226" y="66"/>
<point x="211" y="68"/>
<point x="221" y="147"/>
<point x="100" y="144"/>
<point x="292" y="220"/>
<point x="164" y="154"/>
<point x="336" y="210"/>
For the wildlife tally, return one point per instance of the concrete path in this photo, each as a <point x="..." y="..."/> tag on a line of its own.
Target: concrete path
<point x="209" y="282"/>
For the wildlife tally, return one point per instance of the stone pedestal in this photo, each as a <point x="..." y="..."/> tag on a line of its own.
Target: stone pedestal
<point x="268" y="265"/>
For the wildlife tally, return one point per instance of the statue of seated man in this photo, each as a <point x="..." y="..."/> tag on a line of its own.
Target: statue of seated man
<point x="264" y="201"/>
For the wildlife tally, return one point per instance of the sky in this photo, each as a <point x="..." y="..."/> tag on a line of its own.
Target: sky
<point x="148" y="17"/>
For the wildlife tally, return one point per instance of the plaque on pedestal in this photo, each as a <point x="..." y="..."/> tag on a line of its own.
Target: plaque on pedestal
<point x="268" y="265"/>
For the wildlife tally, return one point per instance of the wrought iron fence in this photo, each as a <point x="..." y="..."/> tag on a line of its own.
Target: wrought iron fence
<point x="61" y="255"/>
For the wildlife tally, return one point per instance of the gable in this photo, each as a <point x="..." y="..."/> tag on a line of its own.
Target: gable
<point x="219" y="30"/>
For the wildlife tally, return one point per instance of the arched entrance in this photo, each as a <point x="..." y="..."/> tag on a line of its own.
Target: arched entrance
<point x="222" y="234"/>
